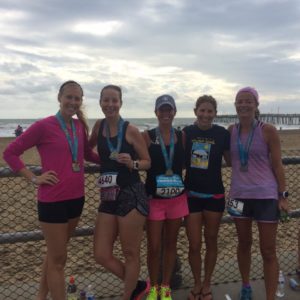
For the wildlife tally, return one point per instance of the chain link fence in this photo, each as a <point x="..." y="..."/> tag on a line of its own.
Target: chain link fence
<point x="22" y="247"/>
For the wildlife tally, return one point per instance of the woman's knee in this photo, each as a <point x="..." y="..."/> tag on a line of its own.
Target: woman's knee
<point x="102" y="257"/>
<point x="131" y="255"/>
<point x="245" y="243"/>
<point x="194" y="247"/>
<point x="268" y="253"/>
<point x="154" y="251"/>
<point x="211" y="239"/>
<point x="57" y="261"/>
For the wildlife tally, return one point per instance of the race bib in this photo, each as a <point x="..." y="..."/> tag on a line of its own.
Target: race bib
<point x="235" y="207"/>
<point x="169" y="186"/>
<point x="109" y="190"/>
<point x="109" y="193"/>
<point x="108" y="179"/>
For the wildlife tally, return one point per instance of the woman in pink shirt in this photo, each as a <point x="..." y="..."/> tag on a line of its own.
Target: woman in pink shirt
<point x="62" y="143"/>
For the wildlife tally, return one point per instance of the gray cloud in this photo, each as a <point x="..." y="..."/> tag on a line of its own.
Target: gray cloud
<point x="181" y="47"/>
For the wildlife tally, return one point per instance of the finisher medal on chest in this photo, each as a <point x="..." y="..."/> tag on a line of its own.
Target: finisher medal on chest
<point x="168" y="157"/>
<point x="114" y="151"/>
<point x="76" y="167"/>
<point x="244" y="149"/>
<point x="113" y="155"/>
<point x="72" y="141"/>
<point x="169" y="172"/>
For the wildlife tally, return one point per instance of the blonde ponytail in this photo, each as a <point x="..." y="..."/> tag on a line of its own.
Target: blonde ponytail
<point x="81" y="117"/>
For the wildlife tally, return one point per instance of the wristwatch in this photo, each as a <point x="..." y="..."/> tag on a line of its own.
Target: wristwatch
<point x="135" y="165"/>
<point x="33" y="179"/>
<point x="283" y="194"/>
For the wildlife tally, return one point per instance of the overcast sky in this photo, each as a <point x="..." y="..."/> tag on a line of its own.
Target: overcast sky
<point x="148" y="47"/>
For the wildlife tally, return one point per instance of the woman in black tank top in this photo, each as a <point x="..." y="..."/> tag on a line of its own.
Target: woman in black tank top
<point x="123" y="206"/>
<point x="168" y="202"/>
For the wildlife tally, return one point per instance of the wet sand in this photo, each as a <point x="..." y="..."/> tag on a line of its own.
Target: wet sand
<point x="290" y="142"/>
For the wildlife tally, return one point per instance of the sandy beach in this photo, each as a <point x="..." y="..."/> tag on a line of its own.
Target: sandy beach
<point x="290" y="144"/>
<point x="22" y="261"/>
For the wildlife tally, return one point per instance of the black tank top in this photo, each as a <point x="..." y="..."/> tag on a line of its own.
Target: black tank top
<point x="125" y="176"/>
<point x="158" y="165"/>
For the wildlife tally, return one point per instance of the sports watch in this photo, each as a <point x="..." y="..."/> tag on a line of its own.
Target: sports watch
<point x="135" y="165"/>
<point x="283" y="194"/>
<point x="34" y="180"/>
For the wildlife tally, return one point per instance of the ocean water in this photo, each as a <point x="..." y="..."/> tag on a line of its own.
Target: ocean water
<point x="8" y="126"/>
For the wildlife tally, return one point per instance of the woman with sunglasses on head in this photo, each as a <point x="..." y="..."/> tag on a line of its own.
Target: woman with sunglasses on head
<point x="257" y="191"/>
<point x="124" y="205"/>
<point x="62" y="143"/>
<point x="206" y="145"/>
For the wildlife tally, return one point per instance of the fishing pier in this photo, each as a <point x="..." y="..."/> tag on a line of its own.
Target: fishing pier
<point x="278" y="119"/>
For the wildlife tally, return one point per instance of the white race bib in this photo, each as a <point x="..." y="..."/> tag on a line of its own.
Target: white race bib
<point x="109" y="190"/>
<point x="169" y="186"/>
<point x="109" y="193"/>
<point x="108" y="179"/>
<point x="235" y="207"/>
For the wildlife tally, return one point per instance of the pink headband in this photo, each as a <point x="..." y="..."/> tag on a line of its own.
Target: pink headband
<point x="250" y="90"/>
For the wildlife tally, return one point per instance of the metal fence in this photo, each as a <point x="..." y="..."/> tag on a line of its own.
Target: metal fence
<point x="22" y="247"/>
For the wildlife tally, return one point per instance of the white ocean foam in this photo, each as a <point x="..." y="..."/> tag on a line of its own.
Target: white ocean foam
<point x="8" y="126"/>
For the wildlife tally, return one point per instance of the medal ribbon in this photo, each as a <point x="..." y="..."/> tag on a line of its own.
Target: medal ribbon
<point x="120" y="135"/>
<point x="168" y="157"/>
<point x="244" y="150"/>
<point x="72" y="144"/>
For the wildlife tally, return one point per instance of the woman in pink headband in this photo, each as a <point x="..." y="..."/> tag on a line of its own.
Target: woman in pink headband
<point x="258" y="190"/>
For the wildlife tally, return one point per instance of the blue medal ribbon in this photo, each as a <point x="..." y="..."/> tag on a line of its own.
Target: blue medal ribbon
<point x="168" y="157"/>
<point x="244" y="150"/>
<point x="114" y="151"/>
<point x="72" y="144"/>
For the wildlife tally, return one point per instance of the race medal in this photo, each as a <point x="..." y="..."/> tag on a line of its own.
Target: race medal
<point x="114" y="151"/>
<point x="244" y="149"/>
<point x="169" y="172"/>
<point x="76" y="167"/>
<point x="113" y="155"/>
<point x="168" y="157"/>
<point x="244" y="168"/>
<point x="73" y="143"/>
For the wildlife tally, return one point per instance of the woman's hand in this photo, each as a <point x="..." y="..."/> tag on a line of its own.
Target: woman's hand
<point x="125" y="159"/>
<point x="283" y="204"/>
<point x="49" y="177"/>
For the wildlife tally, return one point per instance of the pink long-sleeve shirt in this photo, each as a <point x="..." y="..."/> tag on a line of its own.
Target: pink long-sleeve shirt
<point x="55" y="153"/>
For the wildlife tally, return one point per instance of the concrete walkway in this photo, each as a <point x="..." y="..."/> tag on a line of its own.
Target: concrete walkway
<point x="232" y="290"/>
